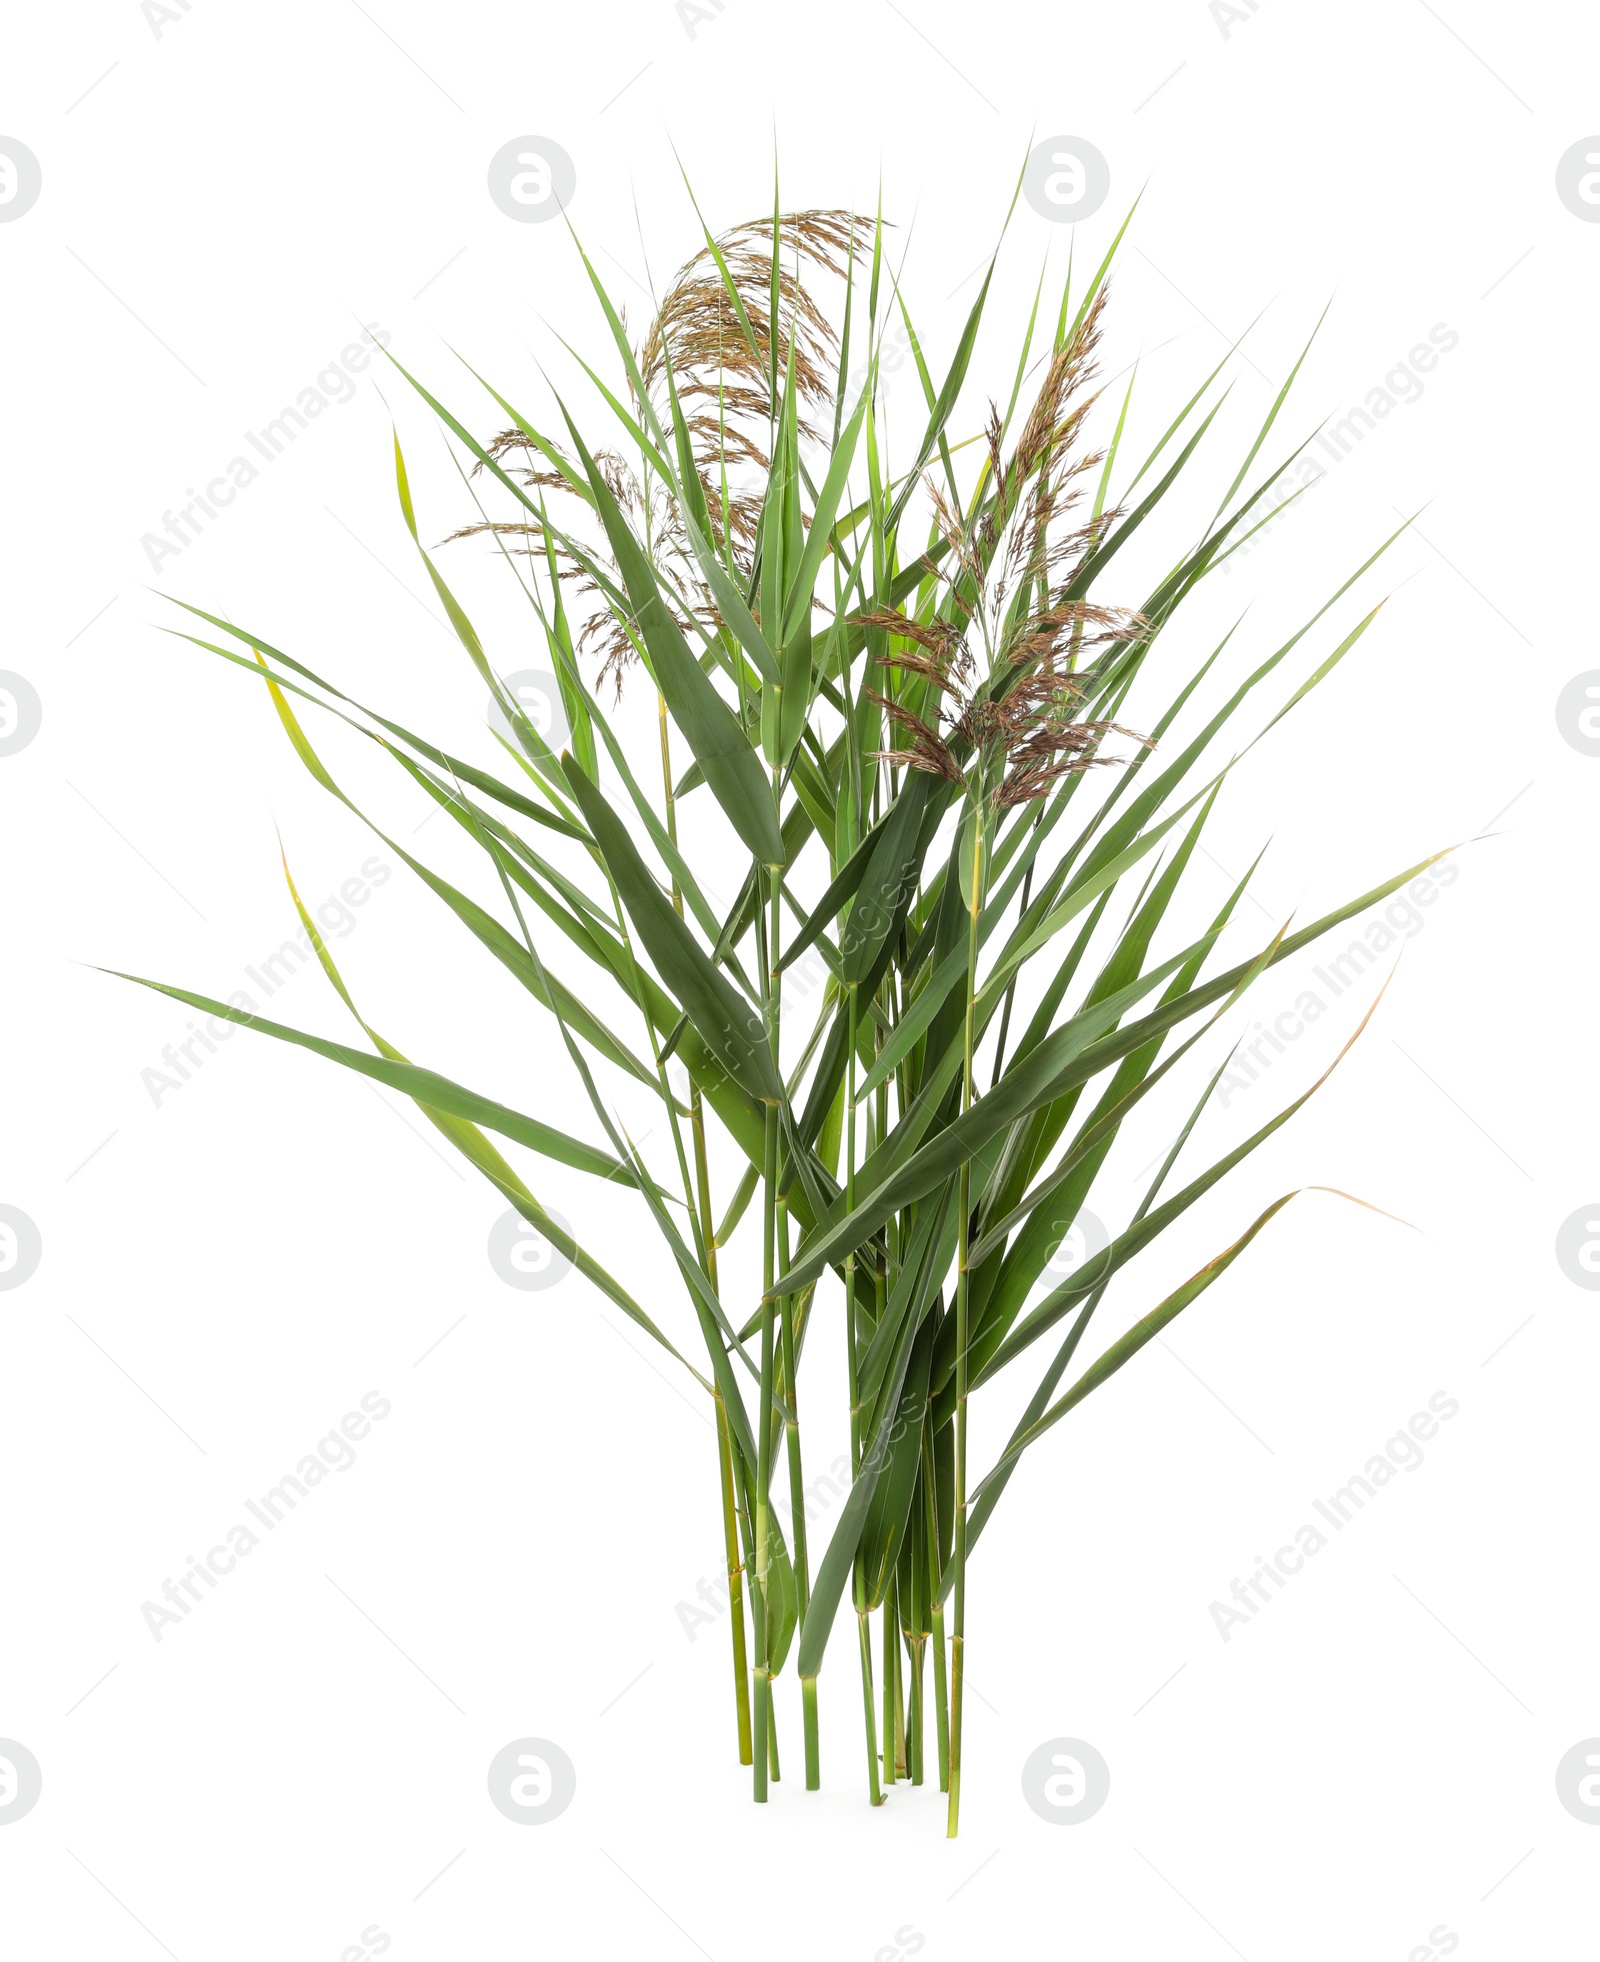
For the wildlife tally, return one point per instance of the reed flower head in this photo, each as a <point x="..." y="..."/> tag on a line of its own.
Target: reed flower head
<point x="720" y="343"/>
<point x="994" y="663"/>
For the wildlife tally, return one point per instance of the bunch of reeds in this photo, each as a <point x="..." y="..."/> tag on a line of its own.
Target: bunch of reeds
<point x="893" y="677"/>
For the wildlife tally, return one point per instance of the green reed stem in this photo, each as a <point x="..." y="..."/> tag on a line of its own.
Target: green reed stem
<point x="888" y="1687"/>
<point x="730" y="1534"/>
<point x="963" y="1336"/>
<point x="941" y="1701"/>
<point x="917" y="1645"/>
<point x="708" y="1244"/>
<point x="853" y="1353"/>
<point x="797" y="1500"/>
<point x="763" y="1703"/>
<point x="899" y="1708"/>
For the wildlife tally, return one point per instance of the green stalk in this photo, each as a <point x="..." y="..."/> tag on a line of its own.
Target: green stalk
<point x="769" y="1181"/>
<point x="864" y="1626"/>
<point x="917" y="1645"/>
<point x="763" y="1705"/>
<point x="890" y="1639"/>
<point x="941" y="1696"/>
<point x="958" y="1633"/>
<point x="797" y="1502"/>
<point x="766" y="1740"/>
<point x="897" y="1650"/>
<point x="941" y="1702"/>
<point x="708" y="1241"/>
<point x="730" y="1520"/>
<point x="730" y="1533"/>
<point x="852" y="1349"/>
<point x="808" y="1718"/>
<point x="852" y="762"/>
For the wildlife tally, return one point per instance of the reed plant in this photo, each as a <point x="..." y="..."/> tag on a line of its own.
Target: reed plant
<point x="891" y="681"/>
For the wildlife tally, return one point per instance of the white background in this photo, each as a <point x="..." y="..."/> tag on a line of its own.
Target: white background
<point x="298" y="1768"/>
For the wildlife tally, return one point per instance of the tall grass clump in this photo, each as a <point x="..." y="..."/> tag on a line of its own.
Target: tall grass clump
<point x="887" y="683"/>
